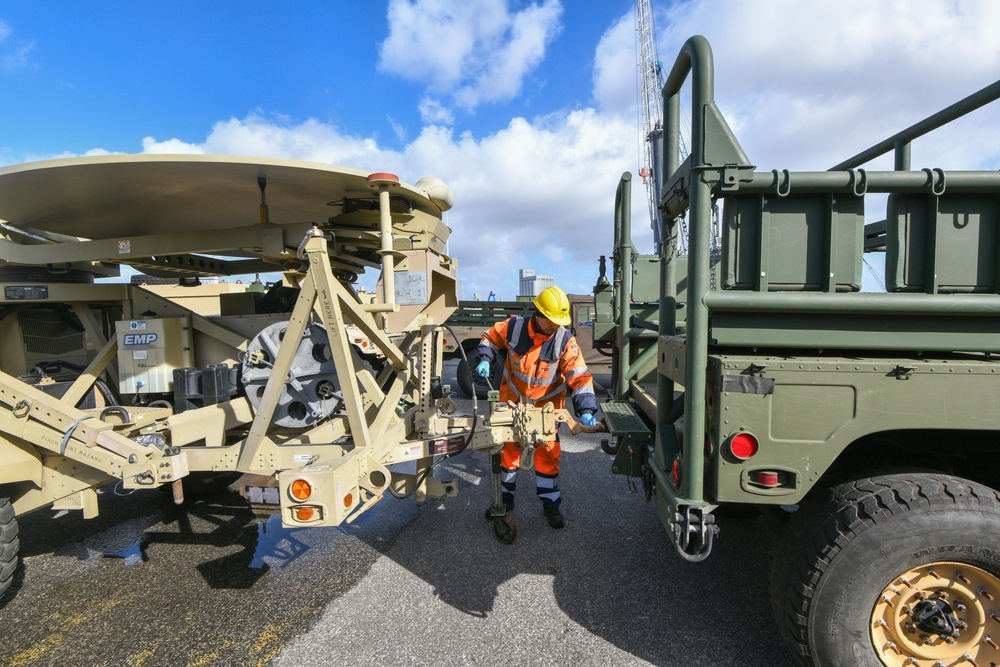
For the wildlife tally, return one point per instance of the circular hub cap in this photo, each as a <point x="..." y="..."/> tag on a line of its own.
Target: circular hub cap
<point x="938" y="615"/>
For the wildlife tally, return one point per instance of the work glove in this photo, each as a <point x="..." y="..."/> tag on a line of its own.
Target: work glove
<point x="483" y="369"/>
<point x="587" y="419"/>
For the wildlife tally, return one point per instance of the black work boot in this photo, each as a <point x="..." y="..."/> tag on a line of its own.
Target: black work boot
<point x="554" y="517"/>
<point x="489" y="510"/>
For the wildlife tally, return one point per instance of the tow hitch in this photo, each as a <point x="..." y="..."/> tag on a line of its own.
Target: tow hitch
<point x="694" y="532"/>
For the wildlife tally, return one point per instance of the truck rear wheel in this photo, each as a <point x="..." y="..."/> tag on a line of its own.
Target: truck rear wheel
<point x="9" y="545"/>
<point x="898" y="569"/>
<point x="467" y="383"/>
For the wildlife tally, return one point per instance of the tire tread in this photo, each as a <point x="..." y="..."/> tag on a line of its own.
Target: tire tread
<point x="9" y="545"/>
<point x="836" y="515"/>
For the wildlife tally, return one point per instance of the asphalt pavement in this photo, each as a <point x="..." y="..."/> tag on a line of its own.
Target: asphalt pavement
<point x="406" y="584"/>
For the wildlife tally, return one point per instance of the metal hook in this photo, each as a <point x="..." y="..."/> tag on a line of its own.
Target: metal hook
<point x="786" y="180"/>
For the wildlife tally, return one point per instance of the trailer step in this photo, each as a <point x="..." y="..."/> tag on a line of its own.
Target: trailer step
<point x="630" y="438"/>
<point x="624" y="422"/>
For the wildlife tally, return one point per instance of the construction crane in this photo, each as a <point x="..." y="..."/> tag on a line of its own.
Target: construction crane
<point x="651" y="106"/>
<point x="651" y="81"/>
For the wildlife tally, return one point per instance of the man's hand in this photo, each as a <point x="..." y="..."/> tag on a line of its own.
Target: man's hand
<point x="587" y="419"/>
<point x="483" y="369"/>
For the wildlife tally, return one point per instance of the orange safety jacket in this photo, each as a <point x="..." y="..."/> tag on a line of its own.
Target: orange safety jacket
<point x="539" y="368"/>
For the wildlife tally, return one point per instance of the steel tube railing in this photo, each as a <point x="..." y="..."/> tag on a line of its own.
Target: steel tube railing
<point x="695" y="58"/>
<point x="971" y="103"/>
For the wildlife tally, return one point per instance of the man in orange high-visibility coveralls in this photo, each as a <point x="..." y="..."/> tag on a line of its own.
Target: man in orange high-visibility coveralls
<point x="543" y="358"/>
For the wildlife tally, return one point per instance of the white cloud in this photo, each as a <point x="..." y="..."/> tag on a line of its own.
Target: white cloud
<point x="528" y="189"/>
<point x="433" y="112"/>
<point x="18" y="58"/>
<point x="511" y="60"/>
<point x="398" y="129"/>
<point x="169" y="147"/>
<point x="257" y="136"/>
<point x="615" y="67"/>
<point x="538" y="193"/>
<point x="811" y="83"/>
<point x="470" y="52"/>
<point x="13" y="55"/>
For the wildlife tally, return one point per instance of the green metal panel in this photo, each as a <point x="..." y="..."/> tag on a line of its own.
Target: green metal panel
<point x="869" y="321"/>
<point x="604" y="322"/>
<point x="942" y="243"/>
<point x="806" y="410"/>
<point x="645" y="278"/>
<point x="795" y="242"/>
<point x="871" y="331"/>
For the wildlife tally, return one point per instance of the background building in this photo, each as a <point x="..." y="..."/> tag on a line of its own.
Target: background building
<point x="531" y="284"/>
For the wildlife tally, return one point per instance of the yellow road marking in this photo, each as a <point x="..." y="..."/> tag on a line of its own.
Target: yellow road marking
<point x="272" y="633"/>
<point x="139" y="658"/>
<point x="206" y="659"/>
<point x="37" y="651"/>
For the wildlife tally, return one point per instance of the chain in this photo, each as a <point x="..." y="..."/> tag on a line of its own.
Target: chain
<point x="716" y="243"/>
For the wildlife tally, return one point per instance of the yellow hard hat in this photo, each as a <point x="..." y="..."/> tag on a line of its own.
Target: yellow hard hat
<point x="553" y="304"/>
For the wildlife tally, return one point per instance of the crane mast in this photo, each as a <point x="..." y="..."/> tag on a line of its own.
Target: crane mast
<point x="651" y="103"/>
<point x="651" y="82"/>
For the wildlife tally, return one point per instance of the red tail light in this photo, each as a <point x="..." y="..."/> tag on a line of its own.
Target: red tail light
<point x="766" y="478"/>
<point x="743" y="446"/>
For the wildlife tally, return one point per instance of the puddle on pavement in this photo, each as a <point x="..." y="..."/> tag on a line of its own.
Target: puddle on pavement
<point x="131" y="554"/>
<point x="275" y="546"/>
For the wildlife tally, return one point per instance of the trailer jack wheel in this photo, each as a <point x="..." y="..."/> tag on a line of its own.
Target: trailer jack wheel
<point x="648" y="483"/>
<point x="505" y="529"/>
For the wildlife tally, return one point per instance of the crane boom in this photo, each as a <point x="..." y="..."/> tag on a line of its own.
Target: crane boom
<point x="651" y="104"/>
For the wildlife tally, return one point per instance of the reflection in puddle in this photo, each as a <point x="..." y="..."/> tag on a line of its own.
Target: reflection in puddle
<point x="276" y="545"/>
<point x="131" y="554"/>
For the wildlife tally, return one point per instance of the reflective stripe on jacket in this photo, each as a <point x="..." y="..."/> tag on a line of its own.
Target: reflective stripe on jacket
<point x="539" y="368"/>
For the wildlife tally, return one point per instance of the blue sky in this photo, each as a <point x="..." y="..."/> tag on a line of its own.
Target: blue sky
<point x="107" y="74"/>
<point x="526" y="108"/>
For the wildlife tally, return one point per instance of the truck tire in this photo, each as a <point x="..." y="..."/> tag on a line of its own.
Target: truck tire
<point x="466" y="383"/>
<point x="9" y="545"/>
<point x="878" y="571"/>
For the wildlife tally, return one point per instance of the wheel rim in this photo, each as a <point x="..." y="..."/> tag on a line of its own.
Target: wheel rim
<point x="937" y="615"/>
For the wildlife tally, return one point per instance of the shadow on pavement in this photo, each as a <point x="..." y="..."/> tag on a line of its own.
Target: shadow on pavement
<point x="614" y="571"/>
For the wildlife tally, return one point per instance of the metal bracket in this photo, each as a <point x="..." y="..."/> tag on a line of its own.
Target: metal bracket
<point x="732" y="175"/>
<point x="902" y="372"/>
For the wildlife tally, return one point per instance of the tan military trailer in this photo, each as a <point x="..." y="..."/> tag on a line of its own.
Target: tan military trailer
<point x="754" y="373"/>
<point x="113" y="383"/>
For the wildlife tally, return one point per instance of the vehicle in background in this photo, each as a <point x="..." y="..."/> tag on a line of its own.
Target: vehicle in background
<point x="473" y="318"/>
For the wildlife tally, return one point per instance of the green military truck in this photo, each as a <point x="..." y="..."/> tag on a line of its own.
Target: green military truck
<point x="759" y="375"/>
<point x="465" y="328"/>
